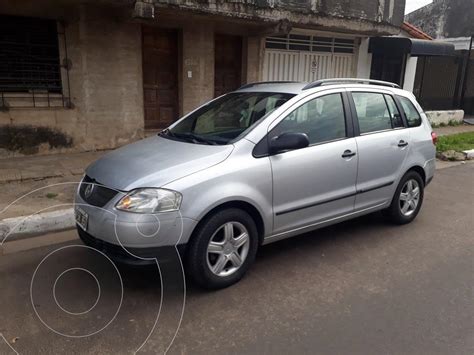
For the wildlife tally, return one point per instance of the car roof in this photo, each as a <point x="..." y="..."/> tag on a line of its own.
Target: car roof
<point x="296" y="88"/>
<point x="288" y="87"/>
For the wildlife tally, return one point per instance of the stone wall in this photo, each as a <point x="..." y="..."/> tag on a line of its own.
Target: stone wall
<point x="379" y="17"/>
<point x="445" y="18"/>
<point x="104" y="47"/>
<point x="105" y="83"/>
<point x="106" y="77"/>
<point x="198" y="66"/>
<point x="445" y="117"/>
<point x="255" y="54"/>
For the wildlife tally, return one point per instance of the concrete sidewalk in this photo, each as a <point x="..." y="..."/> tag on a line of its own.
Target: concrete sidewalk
<point x="38" y="192"/>
<point x="45" y="166"/>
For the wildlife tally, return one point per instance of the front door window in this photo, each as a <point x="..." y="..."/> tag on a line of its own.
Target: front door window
<point x="322" y="119"/>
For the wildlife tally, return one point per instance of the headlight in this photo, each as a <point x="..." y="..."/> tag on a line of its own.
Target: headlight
<point x="150" y="201"/>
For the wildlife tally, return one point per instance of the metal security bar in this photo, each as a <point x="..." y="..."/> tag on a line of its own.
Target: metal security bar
<point x="311" y="43"/>
<point x="30" y="65"/>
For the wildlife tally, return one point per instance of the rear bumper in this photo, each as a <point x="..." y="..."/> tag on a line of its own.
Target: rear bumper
<point x="428" y="180"/>
<point x="429" y="168"/>
<point x="132" y="256"/>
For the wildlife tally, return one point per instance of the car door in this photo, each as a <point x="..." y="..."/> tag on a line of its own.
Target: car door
<point x="382" y="144"/>
<point x="315" y="183"/>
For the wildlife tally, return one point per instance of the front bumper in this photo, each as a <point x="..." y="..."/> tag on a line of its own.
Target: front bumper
<point x="142" y="235"/>
<point x="132" y="256"/>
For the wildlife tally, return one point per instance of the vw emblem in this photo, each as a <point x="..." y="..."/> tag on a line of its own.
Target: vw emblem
<point x="88" y="190"/>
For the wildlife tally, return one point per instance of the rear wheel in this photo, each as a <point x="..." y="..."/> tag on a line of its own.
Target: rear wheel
<point x="222" y="249"/>
<point x="407" y="200"/>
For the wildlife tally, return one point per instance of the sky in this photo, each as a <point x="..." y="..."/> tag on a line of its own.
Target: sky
<point x="412" y="5"/>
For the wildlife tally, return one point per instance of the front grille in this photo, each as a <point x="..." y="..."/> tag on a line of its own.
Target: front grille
<point x="99" y="196"/>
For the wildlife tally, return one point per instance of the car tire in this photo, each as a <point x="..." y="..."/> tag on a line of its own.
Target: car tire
<point x="407" y="200"/>
<point x="215" y="246"/>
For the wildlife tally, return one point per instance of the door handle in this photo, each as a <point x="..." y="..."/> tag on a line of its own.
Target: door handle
<point x="348" y="154"/>
<point x="402" y="143"/>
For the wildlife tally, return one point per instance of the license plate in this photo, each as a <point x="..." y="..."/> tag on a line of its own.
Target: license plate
<point x="81" y="218"/>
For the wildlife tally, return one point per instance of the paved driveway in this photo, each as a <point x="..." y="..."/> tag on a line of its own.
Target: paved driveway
<point x="361" y="287"/>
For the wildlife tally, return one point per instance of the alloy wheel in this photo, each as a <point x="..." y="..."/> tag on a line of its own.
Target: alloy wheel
<point x="228" y="248"/>
<point x="409" y="197"/>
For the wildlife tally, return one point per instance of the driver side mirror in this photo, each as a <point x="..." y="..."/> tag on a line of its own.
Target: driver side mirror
<point x="288" y="141"/>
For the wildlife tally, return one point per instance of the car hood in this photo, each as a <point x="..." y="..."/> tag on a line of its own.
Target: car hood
<point x="154" y="162"/>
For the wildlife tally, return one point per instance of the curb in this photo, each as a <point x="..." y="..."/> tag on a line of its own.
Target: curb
<point x="17" y="176"/>
<point x="47" y="240"/>
<point x="36" y="224"/>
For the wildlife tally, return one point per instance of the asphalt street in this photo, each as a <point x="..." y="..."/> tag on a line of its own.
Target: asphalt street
<point x="361" y="287"/>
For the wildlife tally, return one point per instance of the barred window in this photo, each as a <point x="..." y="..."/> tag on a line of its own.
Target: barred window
<point x="311" y="43"/>
<point x="29" y="56"/>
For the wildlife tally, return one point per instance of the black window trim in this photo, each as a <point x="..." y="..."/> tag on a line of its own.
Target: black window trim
<point x="261" y="148"/>
<point x="399" y="112"/>
<point x="355" y="118"/>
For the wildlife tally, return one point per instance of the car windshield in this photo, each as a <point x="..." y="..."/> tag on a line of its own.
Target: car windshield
<point x="226" y="118"/>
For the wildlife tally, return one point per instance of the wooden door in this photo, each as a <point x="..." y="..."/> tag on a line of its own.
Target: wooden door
<point x="228" y="63"/>
<point x="160" y="77"/>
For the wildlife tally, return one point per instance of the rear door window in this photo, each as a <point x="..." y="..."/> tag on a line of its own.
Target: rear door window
<point x="372" y="111"/>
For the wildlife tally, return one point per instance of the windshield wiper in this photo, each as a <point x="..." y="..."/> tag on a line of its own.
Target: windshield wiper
<point x="188" y="137"/>
<point x="166" y="132"/>
<point x="201" y="139"/>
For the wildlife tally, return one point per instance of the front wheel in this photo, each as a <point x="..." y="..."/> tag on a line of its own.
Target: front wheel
<point x="222" y="249"/>
<point x="408" y="198"/>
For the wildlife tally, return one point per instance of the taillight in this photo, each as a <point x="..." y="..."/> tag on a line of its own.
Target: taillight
<point x="434" y="138"/>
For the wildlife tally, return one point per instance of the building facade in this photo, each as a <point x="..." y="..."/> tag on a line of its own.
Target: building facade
<point x="100" y="74"/>
<point x="448" y="21"/>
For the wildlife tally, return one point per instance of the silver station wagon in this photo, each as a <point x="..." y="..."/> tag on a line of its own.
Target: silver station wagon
<point x="263" y="163"/>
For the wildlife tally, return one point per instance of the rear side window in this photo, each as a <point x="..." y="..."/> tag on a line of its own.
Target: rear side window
<point x="372" y="112"/>
<point x="411" y="113"/>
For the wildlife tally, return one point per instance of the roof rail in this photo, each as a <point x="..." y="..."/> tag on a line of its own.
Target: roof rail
<point x="322" y="82"/>
<point x="246" y="86"/>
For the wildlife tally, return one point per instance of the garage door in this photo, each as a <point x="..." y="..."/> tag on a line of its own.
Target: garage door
<point x="308" y="58"/>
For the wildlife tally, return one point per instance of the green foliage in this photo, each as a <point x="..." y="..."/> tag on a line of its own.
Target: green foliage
<point x="451" y="123"/>
<point x="454" y="123"/>
<point x="458" y="142"/>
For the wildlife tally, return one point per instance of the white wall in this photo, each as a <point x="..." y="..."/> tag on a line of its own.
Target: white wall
<point x="364" y="59"/>
<point x="410" y="71"/>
